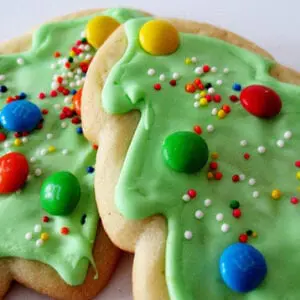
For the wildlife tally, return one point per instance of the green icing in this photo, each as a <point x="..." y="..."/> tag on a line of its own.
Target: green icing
<point x="147" y="186"/>
<point x="68" y="254"/>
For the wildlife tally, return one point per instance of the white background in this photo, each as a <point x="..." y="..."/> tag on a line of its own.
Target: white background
<point x="272" y="24"/>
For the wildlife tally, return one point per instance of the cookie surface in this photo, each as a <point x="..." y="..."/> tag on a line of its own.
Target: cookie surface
<point x="146" y="185"/>
<point x="51" y="228"/>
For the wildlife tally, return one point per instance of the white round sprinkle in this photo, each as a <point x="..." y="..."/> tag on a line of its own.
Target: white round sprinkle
<point x="25" y="139"/>
<point x="288" y="135"/>
<point x="242" y="177"/>
<point x="261" y="149"/>
<point x="198" y="70"/>
<point x="188" y="235"/>
<point x="252" y="181"/>
<point x="49" y="136"/>
<point x="65" y="82"/>
<point x="77" y="77"/>
<point x="68" y="100"/>
<point x="39" y="243"/>
<point x="197" y="96"/>
<point x="255" y="194"/>
<point x="55" y="76"/>
<point x="28" y="236"/>
<point x="53" y="66"/>
<point x="219" y="217"/>
<point x="38" y="172"/>
<point x="57" y="106"/>
<point x="280" y="143"/>
<point x="81" y="47"/>
<point x="81" y="55"/>
<point x="37" y="228"/>
<point x="186" y="198"/>
<point x="226" y="70"/>
<point x="2" y="77"/>
<point x="29" y="177"/>
<point x="214" y="111"/>
<point x="43" y="152"/>
<point x="7" y="144"/>
<point x="207" y="202"/>
<point x="82" y="34"/>
<point x="32" y="159"/>
<point x="162" y="77"/>
<point x="78" y="71"/>
<point x="54" y="85"/>
<point x="70" y="74"/>
<point x="63" y="125"/>
<point x="63" y="75"/>
<point x="243" y="143"/>
<point x="87" y="47"/>
<point x="196" y="104"/>
<point x="88" y="56"/>
<point x="219" y="82"/>
<point x="64" y="60"/>
<point x="72" y="84"/>
<point x="65" y="151"/>
<point x="151" y="72"/>
<point x="78" y="82"/>
<point x="225" y="227"/>
<point x="214" y="69"/>
<point x="20" y="61"/>
<point x="210" y="128"/>
<point x="176" y="75"/>
<point x="194" y="59"/>
<point x="199" y="214"/>
<point x="211" y="90"/>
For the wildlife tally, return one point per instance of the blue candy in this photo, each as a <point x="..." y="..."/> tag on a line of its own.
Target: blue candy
<point x="20" y="116"/>
<point x="242" y="267"/>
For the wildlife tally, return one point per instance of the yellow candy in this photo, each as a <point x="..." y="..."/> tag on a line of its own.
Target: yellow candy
<point x="215" y="155"/>
<point x="99" y="29"/>
<point x="188" y="61"/>
<point x="203" y="93"/>
<point x="254" y="234"/>
<point x="210" y="175"/>
<point x="159" y="37"/>
<point x="51" y="149"/>
<point x="203" y="102"/>
<point x="44" y="236"/>
<point x="17" y="142"/>
<point x="72" y="53"/>
<point x="298" y="175"/>
<point x="221" y="114"/>
<point x="276" y="194"/>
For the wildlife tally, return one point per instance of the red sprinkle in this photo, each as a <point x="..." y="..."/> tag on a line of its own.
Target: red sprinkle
<point x="217" y="98"/>
<point x="236" y="213"/>
<point x="62" y="116"/>
<point x="45" y="219"/>
<point x="76" y="120"/>
<point x="247" y="156"/>
<point x="190" y="88"/>
<point x="213" y="165"/>
<point x="243" y="238"/>
<point x="59" y="79"/>
<point x="235" y="178"/>
<point x="197" y="129"/>
<point x="42" y="96"/>
<point x="66" y="92"/>
<point x="234" y="98"/>
<point x="64" y="230"/>
<point x="173" y="82"/>
<point x="53" y="93"/>
<point x="2" y="137"/>
<point x="60" y="89"/>
<point x="297" y="163"/>
<point x="67" y="65"/>
<point x="226" y="108"/>
<point x="56" y="54"/>
<point x="198" y="81"/>
<point x="157" y="86"/>
<point x="192" y="193"/>
<point x="294" y="200"/>
<point x="39" y="126"/>
<point x="45" y="111"/>
<point x="95" y="147"/>
<point x="68" y="112"/>
<point x="17" y="134"/>
<point x="206" y="68"/>
<point x="218" y="176"/>
<point x="208" y="98"/>
<point x="25" y="133"/>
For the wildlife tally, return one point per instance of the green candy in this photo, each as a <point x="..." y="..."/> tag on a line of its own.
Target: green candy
<point x="60" y="193"/>
<point x="185" y="151"/>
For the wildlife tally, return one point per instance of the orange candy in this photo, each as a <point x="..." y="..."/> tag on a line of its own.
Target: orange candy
<point x="77" y="102"/>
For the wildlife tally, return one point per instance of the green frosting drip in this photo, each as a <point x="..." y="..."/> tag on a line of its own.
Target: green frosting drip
<point x="68" y="254"/>
<point x="147" y="186"/>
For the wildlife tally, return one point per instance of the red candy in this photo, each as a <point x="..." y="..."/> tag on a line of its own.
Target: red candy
<point x="246" y="156"/>
<point x="64" y="230"/>
<point x="213" y="165"/>
<point x="45" y="219"/>
<point x="235" y="178"/>
<point x="217" y="98"/>
<point x="197" y="129"/>
<point x="157" y="86"/>
<point x="173" y="82"/>
<point x="294" y="200"/>
<point x="243" y="238"/>
<point x="206" y="68"/>
<point x="218" y="176"/>
<point x="2" y="137"/>
<point x="297" y="163"/>
<point x="14" y="170"/>
<point x="261" y="101"/>
<point x="236" y="213"/>
<point x="42" y="96"/>
<point x="192" y="193"/>
<point x="234" y="98"/>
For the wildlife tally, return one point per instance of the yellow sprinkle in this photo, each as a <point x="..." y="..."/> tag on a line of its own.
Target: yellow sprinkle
<point x="298" y="188"/>
<point x="44" y="236"/>
<point x="298" y="175"/>
<point x="221" y="114"/>
<point x="203" y="102"/>
<point x="254" y="234"/>
<point x="188" y="61"/>
<point x="203" y="93"/>
<point x="276" y="194"/>
<point x="72" y="53"/>
<point x="214" y="155"/>
<point x="210" y="175"/>
<point x="17" y="142"/>
<point x="51" y="149"/>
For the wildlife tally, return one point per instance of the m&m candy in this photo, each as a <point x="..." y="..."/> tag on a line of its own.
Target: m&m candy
<point x="185" y="151"/>
<point x="14" y="170"/>
<point x="261" y="101"/>
<point x="60" y="193"/>
<point x="242" y="267"/>
<point x="20" y="116"/>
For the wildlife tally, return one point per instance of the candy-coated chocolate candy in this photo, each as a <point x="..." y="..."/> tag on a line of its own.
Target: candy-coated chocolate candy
<point x="60" y="193"/>
<point x="99" y="29"/>
<point x="77" y="102"/>
<point x="14" y="170"/>
<point x="159" y="37"/>
<point x="242" y="267"/>
<point x="20" y="116"/>
<point x="185" y="151"/>
<point x="261" y="101"/>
